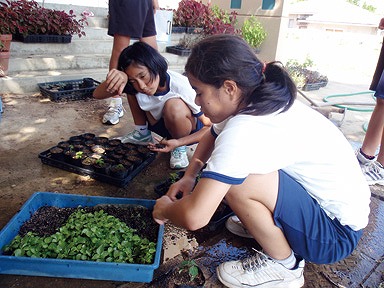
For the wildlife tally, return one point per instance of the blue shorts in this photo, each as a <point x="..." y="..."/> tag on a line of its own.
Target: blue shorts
<point x="379" y="93"/>
<point x="309" y="231"/>
<point x="160" y="129"/>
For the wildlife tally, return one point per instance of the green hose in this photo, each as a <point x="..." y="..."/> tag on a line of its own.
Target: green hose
<point x="326" y="98"/>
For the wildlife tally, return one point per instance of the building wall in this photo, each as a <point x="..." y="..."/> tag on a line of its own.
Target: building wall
<point x="274" y="21"/>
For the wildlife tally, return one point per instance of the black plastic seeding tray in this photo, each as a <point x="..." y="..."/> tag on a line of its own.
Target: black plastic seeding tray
<point x="68" y="90"/>
<point x="129" y="157"/>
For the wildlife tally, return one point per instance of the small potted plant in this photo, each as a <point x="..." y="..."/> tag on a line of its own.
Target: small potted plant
<point x="34" y="23"/>
<point x="253" y="32"/>
<point x="118" y="171"/>
<point x="100" y="166"/>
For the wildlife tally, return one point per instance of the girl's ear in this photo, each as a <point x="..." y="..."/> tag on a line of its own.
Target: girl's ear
<point x="230" y="87"/>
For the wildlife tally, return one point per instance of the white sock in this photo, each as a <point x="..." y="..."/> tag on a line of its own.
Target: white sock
<point x="117" y="101"/>
<point x="289" y="262"/>
<point x="143" y="129"/>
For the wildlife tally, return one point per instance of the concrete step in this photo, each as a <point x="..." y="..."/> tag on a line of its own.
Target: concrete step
<point x="26" y="81"/>
<point x="33" y="63"/>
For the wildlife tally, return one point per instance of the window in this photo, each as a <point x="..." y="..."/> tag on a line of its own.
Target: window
<point x="268" y="4"/>
<point x="235" y="4"/>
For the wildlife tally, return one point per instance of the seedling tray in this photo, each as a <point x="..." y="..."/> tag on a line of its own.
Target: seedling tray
<point x="73" y="268"/>
<point x="78" y="89"/>
<point x="47" y="158"/>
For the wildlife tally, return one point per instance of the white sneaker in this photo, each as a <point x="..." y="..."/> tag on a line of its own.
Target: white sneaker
<point x="135" y="137"/>
<point x="179" y="158"/>
<point x="362" y="160"/>
<point x="115" y="112"/>
<point x="191" y="150"/>
<point x="374" y="173"/>
<point x="260" y="271"/>
<point x="234" y="225"/>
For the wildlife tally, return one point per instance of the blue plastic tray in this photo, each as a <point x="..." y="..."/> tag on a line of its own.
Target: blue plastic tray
<point x="73" y="268"/>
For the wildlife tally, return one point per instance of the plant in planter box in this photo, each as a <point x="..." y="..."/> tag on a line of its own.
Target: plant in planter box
<point x="253" y="32"/>
<point x="209" y="20"/>
<point x="190" y="13"/>
<point x="304" y="77"/>
<point x="32" y="19"/>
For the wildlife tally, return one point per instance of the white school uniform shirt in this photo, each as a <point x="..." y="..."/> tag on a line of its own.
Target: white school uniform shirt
<point x="179" y="87"/>
<point x="305" y="145"/>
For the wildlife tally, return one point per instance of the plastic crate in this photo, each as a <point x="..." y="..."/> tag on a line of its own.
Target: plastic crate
<point x="73" y="268"/>
<point x="46" y="158"/>
<point x="78" y="89"/>
<point x="178" y="50"/>
<point x="36" y="38"/>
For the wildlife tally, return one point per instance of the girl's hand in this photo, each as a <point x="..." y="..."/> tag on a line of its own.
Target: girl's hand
<point x="163" y="145"/>
<point x="116" y="81"/>
<point x="182" y="187"/>
<point x="161" y="204"/>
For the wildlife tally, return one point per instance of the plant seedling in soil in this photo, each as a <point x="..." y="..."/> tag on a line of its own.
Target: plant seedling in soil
<point x="191" y="267"/>
<point x="88" y="235"/>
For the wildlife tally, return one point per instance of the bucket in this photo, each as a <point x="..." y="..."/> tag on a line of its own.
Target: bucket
<point x="163" y="21"/>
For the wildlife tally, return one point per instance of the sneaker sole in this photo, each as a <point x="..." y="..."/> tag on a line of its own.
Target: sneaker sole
<point x="236" y="232"/>
<point x="298" y="283"/>
<point x="109" y="122"/>
<point x="135" y="142"/>
<point x="378" y="182"/>
<point x="178" y="167"/>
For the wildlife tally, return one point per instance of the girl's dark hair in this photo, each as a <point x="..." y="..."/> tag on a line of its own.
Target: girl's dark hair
<point x="143" y="54"/>
<point x="266" y="88"/>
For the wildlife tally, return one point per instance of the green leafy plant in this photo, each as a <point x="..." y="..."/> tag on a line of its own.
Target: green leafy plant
<point x="191" y="266"/>
<point x="79" y="155"/>
<point x="302" y="73"/>
<point x="253" y="32"/>
<point x="100" y="161"/>
<point x="95" y="236"/>
<point x="174" y="177"/>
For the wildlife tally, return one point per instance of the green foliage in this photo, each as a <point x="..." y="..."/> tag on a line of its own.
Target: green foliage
<point x="253" y="32"/>
<point x="174" y="177"/>
<point x="191" y="266"/>
<point x="78" y="155"/>
<point x="94" y="236"/>
<point x="301" y="74"/>
<point x="100" y="161"/>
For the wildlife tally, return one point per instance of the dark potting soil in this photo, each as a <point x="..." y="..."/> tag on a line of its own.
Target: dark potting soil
<point x="48" y="219"/>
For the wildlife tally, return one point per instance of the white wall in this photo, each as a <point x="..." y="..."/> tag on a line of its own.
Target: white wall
<point x="168" y="4"/>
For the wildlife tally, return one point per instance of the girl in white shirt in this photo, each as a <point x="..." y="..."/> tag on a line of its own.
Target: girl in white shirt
<point x="160" y="100"/>
<point x="286" y="171"/>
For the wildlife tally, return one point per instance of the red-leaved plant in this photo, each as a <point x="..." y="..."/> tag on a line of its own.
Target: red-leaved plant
<point x="29" y="18"/>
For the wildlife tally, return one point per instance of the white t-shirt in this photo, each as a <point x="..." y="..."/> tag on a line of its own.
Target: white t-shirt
<point x="179" y="87"/>
<point x="305" y="145"/>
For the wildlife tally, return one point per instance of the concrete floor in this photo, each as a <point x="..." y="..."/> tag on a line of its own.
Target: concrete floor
<point x="31" y="124"/>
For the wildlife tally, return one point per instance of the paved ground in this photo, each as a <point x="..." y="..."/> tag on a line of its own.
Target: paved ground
<point x="31" y="124"/>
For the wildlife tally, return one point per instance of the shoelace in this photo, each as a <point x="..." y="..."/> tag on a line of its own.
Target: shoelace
<point x="372" y="167"/>
<point x="254" y="262"/>
<point x="176" y="154"/>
